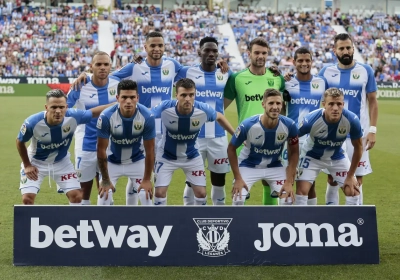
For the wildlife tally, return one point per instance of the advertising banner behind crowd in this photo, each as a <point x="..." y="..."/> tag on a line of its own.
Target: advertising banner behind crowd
<point x="194" y="236"/>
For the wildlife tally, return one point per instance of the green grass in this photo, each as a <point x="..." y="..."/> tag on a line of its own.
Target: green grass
<point x="380" y="188"/>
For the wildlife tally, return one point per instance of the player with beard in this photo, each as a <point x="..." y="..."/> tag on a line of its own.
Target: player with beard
<point x="357" y="82"/>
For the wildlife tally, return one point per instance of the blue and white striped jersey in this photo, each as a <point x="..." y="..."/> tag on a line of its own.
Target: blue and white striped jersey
<point x="306" y="96"/>
<point x="90" y="96"/>
<point x="263" y="146"/>
<point x="210" y="90"/>
<point x="51" y="143"/>
<point x="356" y="83"/>
<point x="125" y="134"/>
<point x="181" y="131"/>
<point x="325" y="139"/>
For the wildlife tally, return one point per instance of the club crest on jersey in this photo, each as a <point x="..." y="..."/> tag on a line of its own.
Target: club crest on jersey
<point x="342" y="130"/>
<point x="280" y="136"/>
<point x="271" y="83"/>
<point x="220" y="77"/>
<point x="356" y="76"/>
<point x="315" y="86"/>
<point x="23" y="129"/>
<point x="213" y="236"/>
<point x="66" y="128"/>
<point x="138" y="125"/>
<point x="112" y="91"/>
<point x="165" y="71"/>
<point x="195" y="122"/>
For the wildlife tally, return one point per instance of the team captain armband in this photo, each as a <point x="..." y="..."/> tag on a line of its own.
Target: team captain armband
<point x="294" y="140"/>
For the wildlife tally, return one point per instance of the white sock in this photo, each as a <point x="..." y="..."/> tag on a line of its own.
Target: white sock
<point x="352" y="200"/>
<point x="283" y="202"/>
<point x="312" y="201"/>
<point x="238" y="201"/>
<point x="85" y="202"/>
<point x="200" y="200"/>
<point x="104" y="201"/>
<point x="218" y="195"/>
<point x="72" y="203"/>
<point x="332" y="195"/>
<point x="301" y="199"/>
<point x="143" y="200"/>
<point x="160" y="201"/>
<point x="132" y="197"/>
<point x="188" y="196"/>
<point x="361" y="200"/>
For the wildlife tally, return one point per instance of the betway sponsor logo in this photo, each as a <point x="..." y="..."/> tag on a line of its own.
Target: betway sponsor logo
<point x="83" y="235"/>
<point x="209" y="93"/>
<point x="155" y="89"/>
<point x="182" y="137"/>
<point x="303" y="100"/>
<point x="55" y="145"/>
<point x="257" y="97"/>
<point x="348" y="235"/>
<point x="330" y="143"/>
<point x="125" y="141"/>
<point x="350" y="92"/>
<point x="266" y="151"/>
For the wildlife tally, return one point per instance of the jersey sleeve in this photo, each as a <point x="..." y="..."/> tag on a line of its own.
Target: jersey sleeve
<point x="230" y="88"/>
<point x="305" y="126"/>
<point x="124" y="72"/>
<point x="181" y="74"/>
<point x="149" y="131"/>
<point x="103" y="127"/>
<point x="371" y="83"/>
<point x="82" y="116"/>
<point x="178" y="66"/>
<point x="239" y="136"/>
<point x="157" y="110"/>
<point x="72" y="97"/>
<point x="210" y="112"/>
<point x="355" y="128"/>
<point x="293" y="132"/>
<point x="25" y="132"/>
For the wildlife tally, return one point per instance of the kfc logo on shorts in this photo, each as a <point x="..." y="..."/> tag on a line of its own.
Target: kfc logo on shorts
<point x="341" y="174"/>
<point x="221" y="161"/>
<point x="138" y="181"/>
<point x="69" y="176"/>
<point x="362" y="164"/>
<point x="198" y="173"/>
<point x="280" y="182"/>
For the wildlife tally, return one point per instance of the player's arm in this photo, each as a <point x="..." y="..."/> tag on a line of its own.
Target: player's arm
<point x="31" y="171"/>
<point x="96" y="111"/>
<point x="82" y="79"/>
<point x="225" y="123"/>
<point x="293" y="159"/>
<point x="72" y="97"/>
<point x="230" y="91"/>
<point x="373" y="119"/>
<point x="351" y="180"/>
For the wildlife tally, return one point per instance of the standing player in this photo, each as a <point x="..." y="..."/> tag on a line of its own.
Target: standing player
<point x="125" y="124"/>
<point x="247" y="88"/>
<point x="358" y="85"/>
<point x="328" y="129"/>
<point x="100" y="89"/>
<point x="210" y="83"/>
<point x="260" y="158"/>
<point x="182" y="121"/>
<point x="305" y="92"/>
<point x="51" y="132"/>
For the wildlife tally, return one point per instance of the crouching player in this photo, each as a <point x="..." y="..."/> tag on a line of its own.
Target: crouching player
<point x="260" y="159"/>
<point x="328" y="128"/>
<point x="125" y="124"/>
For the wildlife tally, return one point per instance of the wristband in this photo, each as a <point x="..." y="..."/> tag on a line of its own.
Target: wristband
<point x="372" y="129"/>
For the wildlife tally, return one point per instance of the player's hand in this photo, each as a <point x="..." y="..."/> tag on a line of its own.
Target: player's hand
<point x="105" y="186"/>
<point x="350" y="186"/>
<point x="79" y="82"/>
<point x="31" y="172"/>
<point x="147" y="187"/>
<point x="287" y="192"/>
<point x="238" y="185"/>
<point x="288" y="76"/>
<point x="275" y="70"/>
<point x="223" y="65"/>
<point x="137" y="59"/>
<point x="371" y="139"/>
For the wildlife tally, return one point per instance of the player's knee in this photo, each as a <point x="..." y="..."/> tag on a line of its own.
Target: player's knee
<point x="74" y="196"/>
<point x="160" y="192"/>
<point x="28" y="199"/>
<point x="200" y="192"/>
<point x="218" y="179"/>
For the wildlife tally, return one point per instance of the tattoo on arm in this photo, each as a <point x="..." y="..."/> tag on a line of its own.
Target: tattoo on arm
<point x="103" y="168"/>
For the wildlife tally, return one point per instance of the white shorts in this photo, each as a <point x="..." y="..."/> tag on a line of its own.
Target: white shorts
<point x="86" y="165"/>
<point x="133" y="171"/>
<point x="214" y="150"/>
<point x="193" y="169"/>
<point x="62" y="172"/>
<point x="275" y="177"/>
<point x="364" y="166"/>
<point x="309" y="168"/>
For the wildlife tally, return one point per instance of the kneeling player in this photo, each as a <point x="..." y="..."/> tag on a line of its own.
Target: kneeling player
<point x="125" y="124"/>
<point x="264" y="137"/>
<point x="182" y="120"/>
<point x="328" y="128"/>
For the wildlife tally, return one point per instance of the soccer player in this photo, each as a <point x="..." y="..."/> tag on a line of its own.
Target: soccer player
<point x="305" y="93"/>
<point x="125" y="124"/>
<point x="51" y="134"/>
<point x="357" y="82"/>
<point x="328" y="129"/>
<point x="247" y="88"/>
<point x="182" y="121"/>
<point x="210" y="83"/>
<point x="99" y="89"/>
<point x="264" y="136"/>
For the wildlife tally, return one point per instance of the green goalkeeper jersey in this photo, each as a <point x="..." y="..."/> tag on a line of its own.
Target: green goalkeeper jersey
<point x="248" y="90"/>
